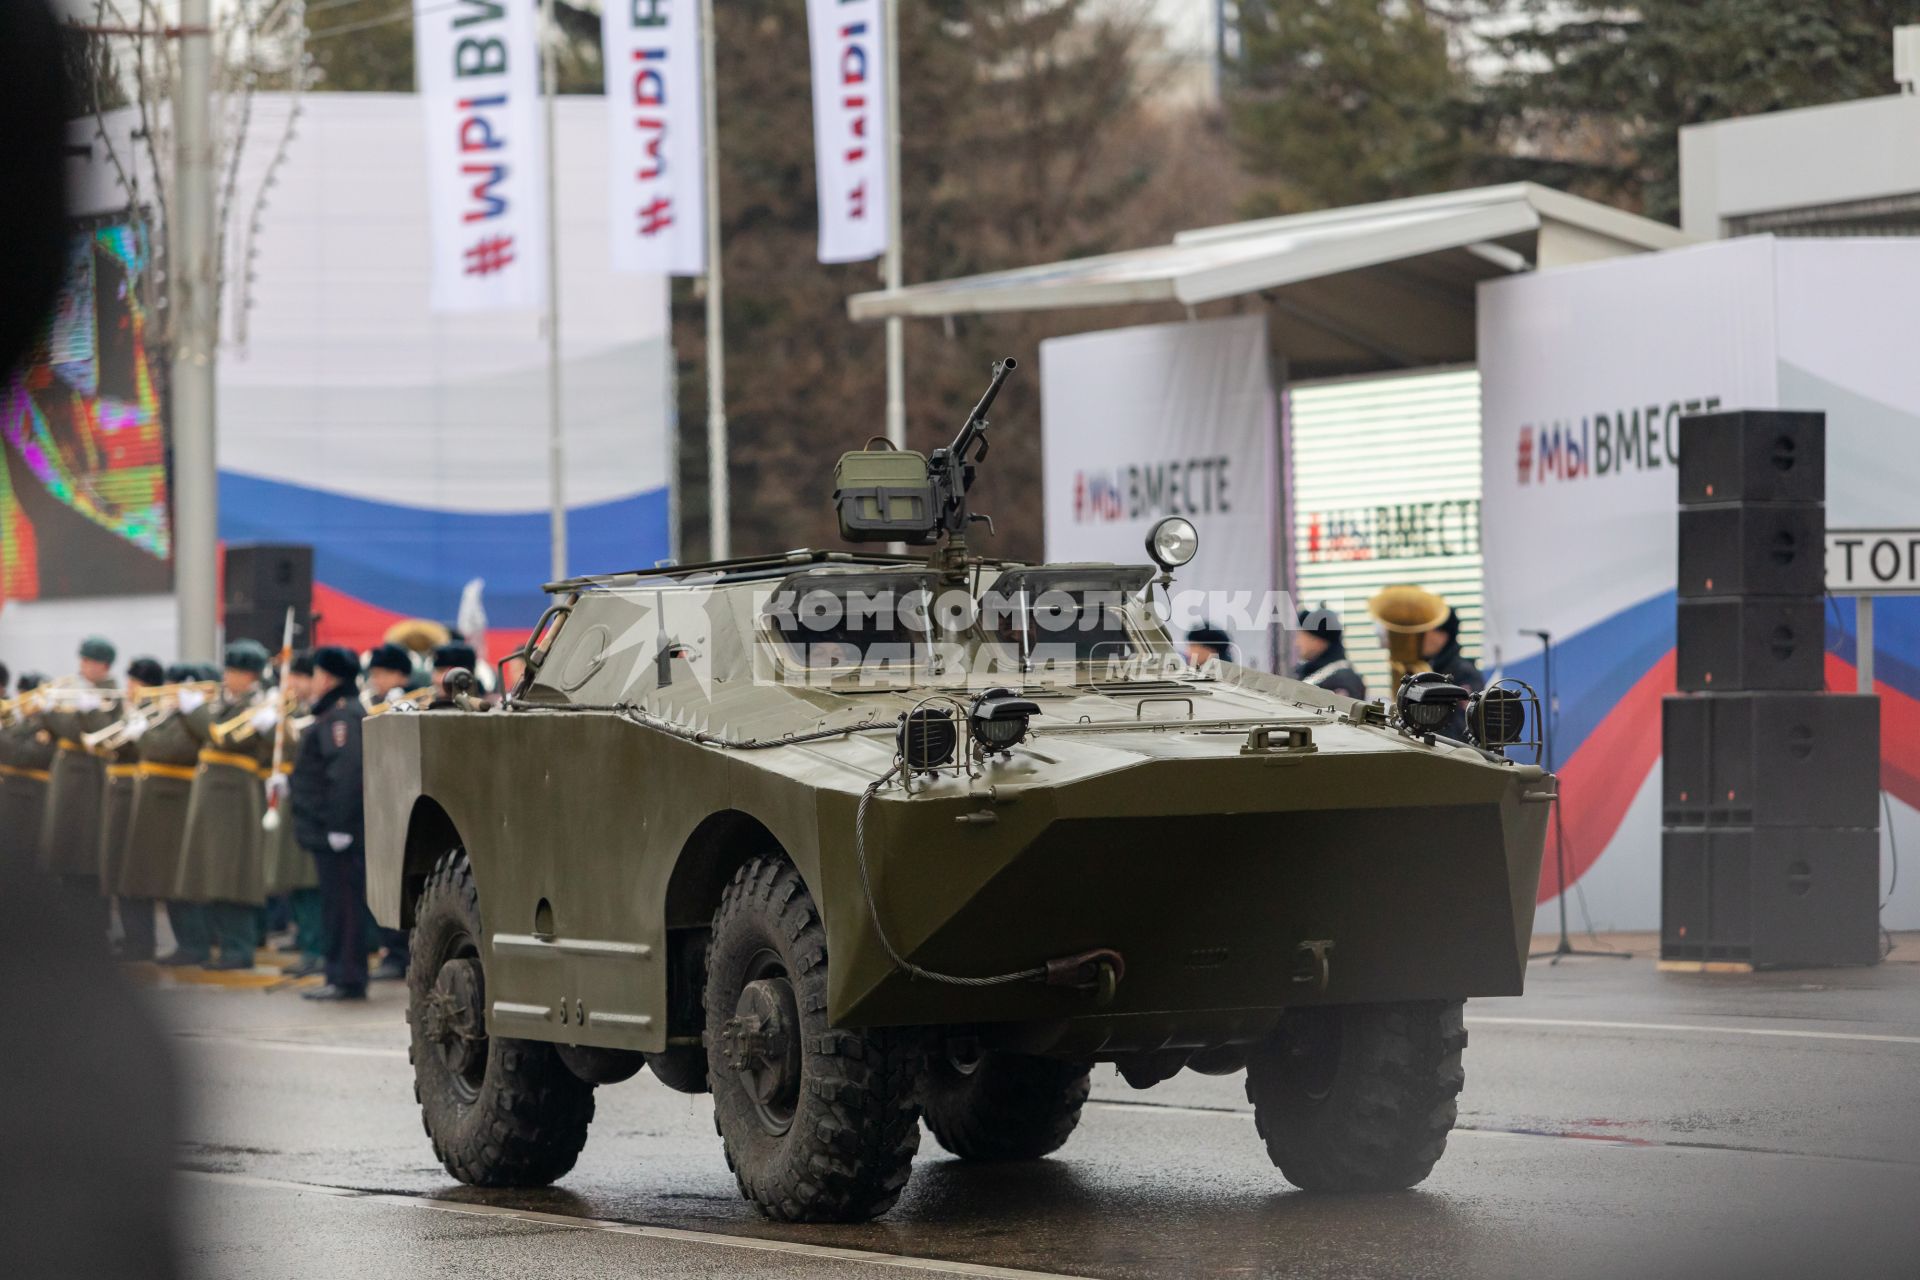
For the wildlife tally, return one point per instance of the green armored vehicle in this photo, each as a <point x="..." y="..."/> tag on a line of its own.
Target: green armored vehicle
<point x="854" y="841"/>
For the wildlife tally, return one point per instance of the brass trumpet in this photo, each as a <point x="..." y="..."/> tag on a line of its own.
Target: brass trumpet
<point x="416" y="700"/>
<point x="240" y="728"/>
<point x="164" y="692"/>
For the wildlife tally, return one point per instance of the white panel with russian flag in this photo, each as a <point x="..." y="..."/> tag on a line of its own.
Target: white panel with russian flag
<point x="655" y="136"/>
<point x="849" y="127"/>
<point x="477" y="65"/>
<point x="409" y="447"/>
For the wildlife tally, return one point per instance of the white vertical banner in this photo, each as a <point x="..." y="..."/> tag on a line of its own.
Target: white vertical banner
<point x="849" y="114"/>
<point x="1169" y="420"/>
<point x="655" y="138"/>
<point x="477" y="64"/>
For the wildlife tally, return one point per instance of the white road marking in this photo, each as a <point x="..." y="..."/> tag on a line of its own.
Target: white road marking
<point x="1689" y="1028"/>
<point x="294" y="1046"/>
<point x="677" y="1235"/>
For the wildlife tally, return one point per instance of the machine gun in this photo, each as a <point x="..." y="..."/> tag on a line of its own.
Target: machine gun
<point x="899" y="495"/>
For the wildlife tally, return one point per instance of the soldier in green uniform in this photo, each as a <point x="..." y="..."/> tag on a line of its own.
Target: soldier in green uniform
<point x="122" y="754"/>
<point x="26" y="755"/>
<point x="76" y="788"/>
<point x="220" y="865"/>
<point x="289" y="869"/>
<point x="169" y="758"/>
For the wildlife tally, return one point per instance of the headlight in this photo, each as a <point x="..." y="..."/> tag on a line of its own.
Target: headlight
<point x="926" y="739"/>
<point x="998" y="720"/>
<point x="1497" y="717"/>
<point x="1426" y="699"/>
<point x="1173" y="542"/>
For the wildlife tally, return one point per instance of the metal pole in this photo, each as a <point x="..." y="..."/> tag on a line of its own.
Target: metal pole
<point x="719" y="498"/>
<point x="194" y="286"/>
<point x="896" y="337"/>
<point x="556" y="435"/>
<point x="1863" y="641"/>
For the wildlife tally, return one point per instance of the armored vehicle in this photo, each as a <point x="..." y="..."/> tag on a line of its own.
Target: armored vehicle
<point x="855" y="841"/>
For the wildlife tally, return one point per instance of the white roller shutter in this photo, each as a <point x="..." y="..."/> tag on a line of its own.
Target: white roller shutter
<point x="1386" y="488"/>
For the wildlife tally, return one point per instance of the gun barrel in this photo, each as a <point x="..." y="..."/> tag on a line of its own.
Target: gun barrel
<point x="1001" y="368"/>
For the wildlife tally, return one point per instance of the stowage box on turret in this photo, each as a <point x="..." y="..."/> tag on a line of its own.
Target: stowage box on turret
<point x="854" y="841"/>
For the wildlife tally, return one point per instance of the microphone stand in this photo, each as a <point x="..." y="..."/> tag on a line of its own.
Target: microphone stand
<point x="1565" y="947"/>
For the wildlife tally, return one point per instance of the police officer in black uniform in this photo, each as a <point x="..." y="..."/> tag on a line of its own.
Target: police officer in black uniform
<point x="1323" y="654"/>
<point x="330" y="818"/>
<point x="1441" y="647"/>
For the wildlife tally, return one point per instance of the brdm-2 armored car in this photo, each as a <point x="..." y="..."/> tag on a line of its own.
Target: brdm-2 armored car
<point x="853" y="841"/>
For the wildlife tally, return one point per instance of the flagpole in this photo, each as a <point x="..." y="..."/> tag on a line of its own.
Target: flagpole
<point x="896" y="337"/>
<point x="719" y="498"/>
<point x="556" y="439"/>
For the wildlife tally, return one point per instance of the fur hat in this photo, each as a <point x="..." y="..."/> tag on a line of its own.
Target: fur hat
<point x="390" y="657"/>
<point x="246" y="655"/>
<point x="98" y="649"/>
<point x="337" y="662"/>
<point x="147" y="671"/>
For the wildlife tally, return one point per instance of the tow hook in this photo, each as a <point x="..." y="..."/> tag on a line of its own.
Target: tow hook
<point x="1096" y="971"/>
<point x="1310" y="963"/>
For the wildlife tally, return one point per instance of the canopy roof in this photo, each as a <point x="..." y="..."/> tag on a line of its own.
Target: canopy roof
<point x="1367" y="287"/>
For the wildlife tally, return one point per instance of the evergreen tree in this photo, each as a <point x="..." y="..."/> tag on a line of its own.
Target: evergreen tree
<point x="1595" y="93"/>
<point x="1347" y="101"/>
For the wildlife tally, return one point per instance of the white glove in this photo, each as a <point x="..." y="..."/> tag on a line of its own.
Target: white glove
<point x="192" y="700"/>
<point x="265" y="718"/>
<point x="339" y="841"/>
<point x="276" y="788"/>
<point x="87" y="702"/>
<point x="136" y="726"/>
<point x="395" y="694"/>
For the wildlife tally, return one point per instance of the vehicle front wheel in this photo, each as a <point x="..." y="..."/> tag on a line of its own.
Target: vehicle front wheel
<point x="818" y="1122"/>
<point x="500" y="1112"/>
<point x="1359" y="1097"/>
<point x="1002" y="1106"/>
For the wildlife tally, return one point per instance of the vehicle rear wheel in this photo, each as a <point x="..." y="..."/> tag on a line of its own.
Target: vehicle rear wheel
<point x="500" y="1112"/>
<point x="818" y="1122"/>
<point x="1359" y="1097"/>
<point x="1002" y="1106"/>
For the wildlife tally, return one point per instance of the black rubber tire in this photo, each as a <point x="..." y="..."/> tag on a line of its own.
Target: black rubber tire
<point x="524" y="1121"/>
<point x="849" y="1140"/>
<point x="1009" y="1106"/>
<point x="1359" y="1097"/>
<point x="681" y="1068"/>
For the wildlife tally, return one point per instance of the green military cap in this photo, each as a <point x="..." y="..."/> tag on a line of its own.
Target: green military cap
<point x="98" y="649"/>
<point x="247" y="655"/>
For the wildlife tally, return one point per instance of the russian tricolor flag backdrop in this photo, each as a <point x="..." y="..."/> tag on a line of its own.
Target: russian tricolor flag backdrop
<point x="1585" y="374"/>
<point x="409" y="449"/>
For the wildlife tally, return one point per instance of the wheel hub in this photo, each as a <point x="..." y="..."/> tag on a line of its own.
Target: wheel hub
<point x="453" y="1016"/>
<point x="761" y="1044"/>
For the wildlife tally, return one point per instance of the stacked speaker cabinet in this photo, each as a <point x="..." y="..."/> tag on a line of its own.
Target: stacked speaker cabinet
<point x="1770" y="849"/>
<point x="262" y="581"/>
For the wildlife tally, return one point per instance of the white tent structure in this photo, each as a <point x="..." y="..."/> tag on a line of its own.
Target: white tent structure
<point x="1364" y="288"/>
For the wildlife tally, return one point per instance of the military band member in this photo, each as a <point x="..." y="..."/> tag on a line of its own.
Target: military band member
<point x="389" y="672"/>
<point x="220" y="855"/>
<point x="122" y="753"/>
<point x="455" y="655"/>
<point x="169" y="757"/>
<point x="330" y="819"/>
<point x="26" y="756"/>
<point x="288" y="868"/>
<point x="76" y="788"/>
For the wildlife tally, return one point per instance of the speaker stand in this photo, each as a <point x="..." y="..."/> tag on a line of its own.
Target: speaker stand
<point x="1565" y="947"/>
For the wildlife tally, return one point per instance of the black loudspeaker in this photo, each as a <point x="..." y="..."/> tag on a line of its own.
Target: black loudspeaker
<point x="1772" y="897"/>
<point x="1752" y="642"/>
<point x="1771" y="760"/>
<point x="1753" y="549"/>
<point x="1754" y="455"/>
<point x="262" y="580"/>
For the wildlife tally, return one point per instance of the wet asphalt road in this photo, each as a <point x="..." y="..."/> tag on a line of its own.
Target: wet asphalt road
<point x="1764" y="1125"/>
